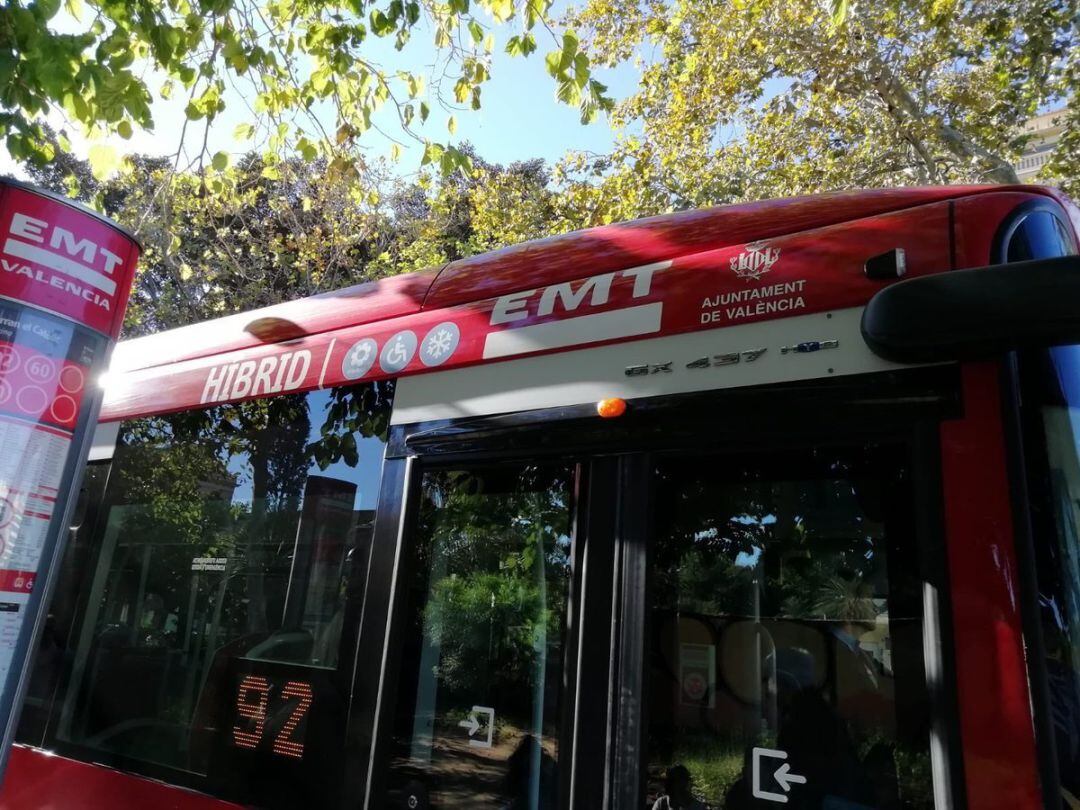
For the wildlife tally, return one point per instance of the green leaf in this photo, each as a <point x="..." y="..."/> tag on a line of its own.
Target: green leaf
<point x="568" y="92"/>
<point x="433" y="152"/>
<point x="220" y="161"/>
<point x="535" y="11"/>
<point x="553" y="62"/>
<point x="415" y="82"/>
<point x="75" y="8"/>
<point x="838" y="11"/>
<point x="239" y="62"/>
<point x="72" y="185"/>
<point x="502" y="10"/>
<point x="244" y="132"/>
<point x="570" y="42"/>
<point x="476" y="31"/>
<point x="308" y="150"/>
<point x="381" y="25"/>
<point x="104" y="161"/>
<point x="271" y="173"/>
<point x="461" y="90"/>
<point x="451" y="125"/>
<point x="123" y="129"/>
<point x="46" y="9"/>
<point x="349" y="452"/>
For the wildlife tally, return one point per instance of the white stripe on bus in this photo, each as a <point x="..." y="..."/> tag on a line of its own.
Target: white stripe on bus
<point x="589" y="374"/>
<point x="616" y="323"/>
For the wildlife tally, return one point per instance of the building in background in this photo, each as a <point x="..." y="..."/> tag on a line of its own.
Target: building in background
<point x="1045" y="130"/>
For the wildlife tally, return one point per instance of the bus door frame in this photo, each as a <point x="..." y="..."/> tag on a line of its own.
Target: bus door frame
<point x="606" y="641"/>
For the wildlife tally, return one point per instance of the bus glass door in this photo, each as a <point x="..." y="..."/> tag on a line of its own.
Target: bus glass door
<point x="666" y="612"/>
<point x="784" y="632"/>
<point x="477" y="714"/>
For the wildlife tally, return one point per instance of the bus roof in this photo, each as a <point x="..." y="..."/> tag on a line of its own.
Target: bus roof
<point x="533" y="264"/>
<point x="677" y="274"/>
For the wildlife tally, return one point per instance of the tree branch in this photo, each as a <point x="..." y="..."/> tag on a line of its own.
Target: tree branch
<point x="893" y="92"/>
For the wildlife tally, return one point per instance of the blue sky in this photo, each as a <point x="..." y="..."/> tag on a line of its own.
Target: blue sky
<point x="520" y="117"/>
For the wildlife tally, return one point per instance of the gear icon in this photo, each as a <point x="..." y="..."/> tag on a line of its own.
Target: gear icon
<point x="359" y="359"/>
<point x="360" y="354"/>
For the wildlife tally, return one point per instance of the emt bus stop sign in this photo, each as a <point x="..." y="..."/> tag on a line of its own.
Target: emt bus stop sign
<point x="65" y="275"/>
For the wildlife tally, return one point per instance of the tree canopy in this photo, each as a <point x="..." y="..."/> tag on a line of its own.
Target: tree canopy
<point x="304" y="230"/>
<point x="764" y="98"/>
<point x="308" y="71"/>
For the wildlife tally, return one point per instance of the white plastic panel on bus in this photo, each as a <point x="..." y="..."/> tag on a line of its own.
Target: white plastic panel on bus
<point x="798" y="348"/>
<point x="104" y="444"/>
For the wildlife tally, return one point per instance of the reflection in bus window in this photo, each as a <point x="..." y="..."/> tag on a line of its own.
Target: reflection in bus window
<point x="477" y="708"/>
<point x="225" y="533"/>
<point x="785" y="616"/>
<point x="53" y="648"/>
<point x="1057" y="556"/>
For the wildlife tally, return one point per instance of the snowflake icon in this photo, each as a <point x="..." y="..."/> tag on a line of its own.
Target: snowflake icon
<point x="439" y="342"/>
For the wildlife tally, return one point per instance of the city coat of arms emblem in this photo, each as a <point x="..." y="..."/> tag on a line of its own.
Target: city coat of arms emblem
<point x="756" y="260"/>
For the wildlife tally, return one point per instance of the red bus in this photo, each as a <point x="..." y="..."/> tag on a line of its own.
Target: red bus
<point x="766" y="504"/>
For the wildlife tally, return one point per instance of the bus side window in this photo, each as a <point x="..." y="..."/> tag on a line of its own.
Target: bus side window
<point x="226" y="542"/>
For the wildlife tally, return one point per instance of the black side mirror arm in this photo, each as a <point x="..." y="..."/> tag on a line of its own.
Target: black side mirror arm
<point x="978" y="313"/>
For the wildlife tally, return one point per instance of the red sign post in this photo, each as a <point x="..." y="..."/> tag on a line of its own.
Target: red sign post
<point x="65" y="275"/>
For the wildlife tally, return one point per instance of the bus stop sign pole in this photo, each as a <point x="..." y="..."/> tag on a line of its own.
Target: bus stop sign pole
<point x="65" y="276"/>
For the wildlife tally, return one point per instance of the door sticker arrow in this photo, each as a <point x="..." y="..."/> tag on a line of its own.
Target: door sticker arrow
<point x="782" y="775"/>
<point x="785" y="778"/>
<point x="473" y="725"/>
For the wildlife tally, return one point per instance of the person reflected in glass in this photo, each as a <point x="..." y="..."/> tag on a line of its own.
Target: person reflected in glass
<point x="678" y="791"/>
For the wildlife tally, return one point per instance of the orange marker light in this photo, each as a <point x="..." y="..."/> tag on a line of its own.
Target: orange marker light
<point x="611" y="408"/>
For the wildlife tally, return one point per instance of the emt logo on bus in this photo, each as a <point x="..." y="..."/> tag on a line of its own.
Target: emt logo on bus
<point x="520" y="305"/>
